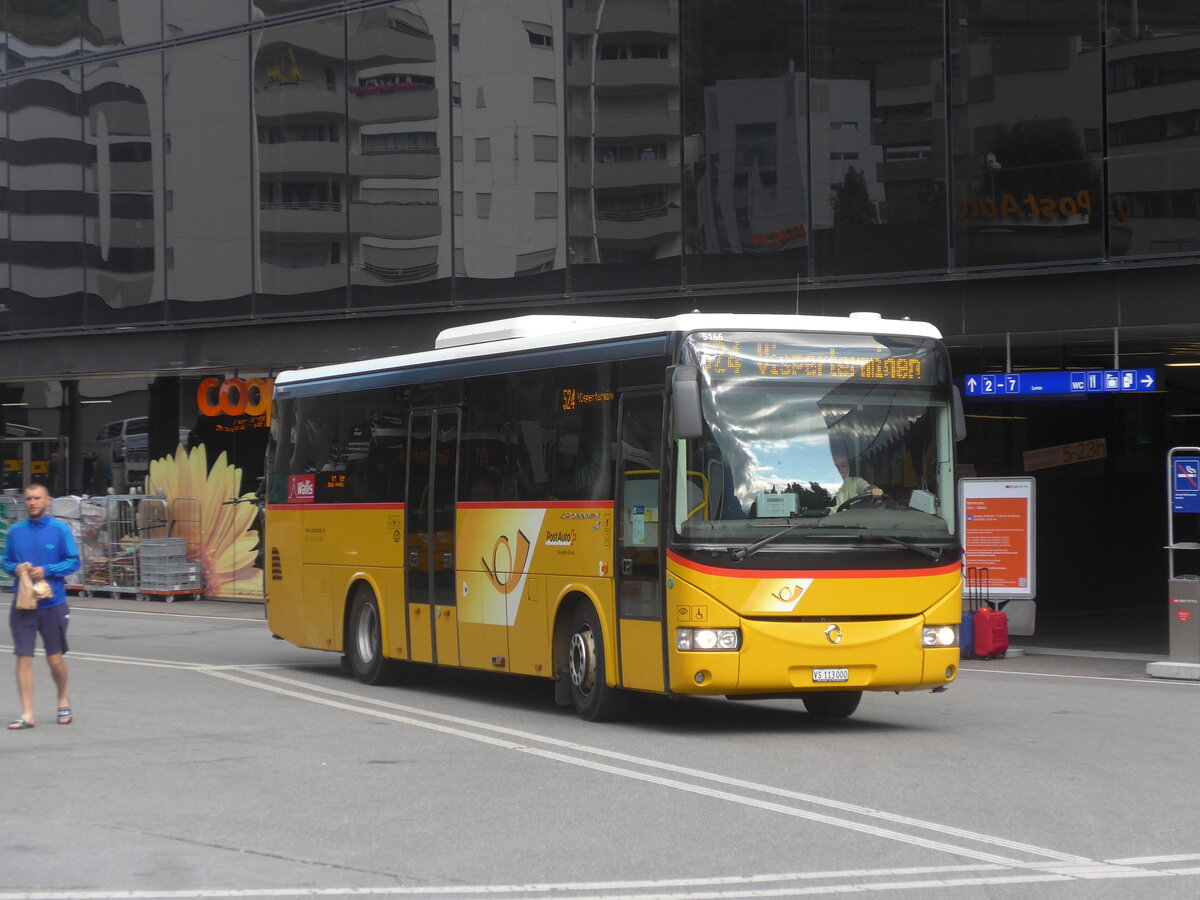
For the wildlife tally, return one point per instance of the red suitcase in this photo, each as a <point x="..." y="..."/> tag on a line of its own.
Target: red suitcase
<point x="991" y="633"/>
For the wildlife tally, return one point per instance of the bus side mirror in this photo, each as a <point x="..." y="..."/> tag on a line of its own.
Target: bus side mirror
<point x="685" y="401"/>
<point x="960" y="417"/>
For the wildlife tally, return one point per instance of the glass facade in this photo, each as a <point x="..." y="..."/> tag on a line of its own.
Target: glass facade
<point x="208" y="197"/>
<point x="219" y="162"/>
<point x="169" y="161"/>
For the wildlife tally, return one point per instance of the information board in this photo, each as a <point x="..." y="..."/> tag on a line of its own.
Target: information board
<point x="1078" y="383"/>
<point x="998" y="516"/>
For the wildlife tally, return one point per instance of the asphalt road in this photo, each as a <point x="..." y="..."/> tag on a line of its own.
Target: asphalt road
<point x="208" y="760"/>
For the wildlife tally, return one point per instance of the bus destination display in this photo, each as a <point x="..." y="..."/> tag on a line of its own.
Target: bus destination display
<point x="752" y="357"/>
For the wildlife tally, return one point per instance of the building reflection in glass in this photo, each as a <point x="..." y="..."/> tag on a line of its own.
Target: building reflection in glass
<point x="111" y="24"/>
<point x="746" y="126"/>
<point x="37" y="31"/>
<point x="264" y="9"/>
<point x="299" y="93"/>
<point x="5" y="245"/>
<point x="1026" y="134"/>
<point x="46" y="159"/>
<point x="1153" y="80"/>
<point x="507" y="102"/>
<point x="184" y="17"/>
<point x="209" y="197"/>
<point x="123" y="189"/>
<point x="877" y="71"/>
<point x="625" y="150"/>
<point x="399" y="140"/>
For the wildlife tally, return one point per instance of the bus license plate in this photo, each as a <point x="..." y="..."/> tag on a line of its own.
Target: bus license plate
<point x="830" y="676"/>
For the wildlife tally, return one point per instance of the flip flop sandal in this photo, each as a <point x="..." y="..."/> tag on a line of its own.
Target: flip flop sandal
<point x="64" y="715"/>
<point x="19" y="724"/>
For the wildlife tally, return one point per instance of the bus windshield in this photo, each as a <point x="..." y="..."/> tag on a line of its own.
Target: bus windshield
<point x="820" y="434"/>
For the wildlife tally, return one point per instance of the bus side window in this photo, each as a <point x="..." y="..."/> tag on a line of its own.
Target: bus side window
<point x="483" y="457"/>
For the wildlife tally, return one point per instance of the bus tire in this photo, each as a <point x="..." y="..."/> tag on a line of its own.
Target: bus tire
<point x="594" y="700"/>
<point x="831" y="704"/>
<point x="364" y="640"/>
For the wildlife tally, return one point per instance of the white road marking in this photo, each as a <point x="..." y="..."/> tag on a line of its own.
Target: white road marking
<point x="158" y="614"/>
<point x="1149" y="682"/>
<point x="699" y="774"/>
<point x="676" y="784"/>
<point x="1054" y="866"/>
<point x="1151" y="860"/>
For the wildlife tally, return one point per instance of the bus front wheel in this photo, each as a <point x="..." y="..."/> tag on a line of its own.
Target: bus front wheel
<point x="594" y="700"/>
<point x="364" y="641"/>
<point x="831" y="704"/>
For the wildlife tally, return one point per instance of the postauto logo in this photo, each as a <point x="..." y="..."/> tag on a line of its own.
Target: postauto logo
<point x="235" y="397"/>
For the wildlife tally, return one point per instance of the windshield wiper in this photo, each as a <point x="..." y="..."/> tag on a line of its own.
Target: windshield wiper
<point x="737" y="554"/>
<point x="915" y="548"/>
<point x="926" y="552"/>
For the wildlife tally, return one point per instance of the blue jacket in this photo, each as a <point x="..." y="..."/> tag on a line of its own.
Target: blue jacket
<point x="44" y="542"/>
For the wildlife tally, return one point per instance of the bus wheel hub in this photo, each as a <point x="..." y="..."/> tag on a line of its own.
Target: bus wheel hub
<point x="582" y="659"/>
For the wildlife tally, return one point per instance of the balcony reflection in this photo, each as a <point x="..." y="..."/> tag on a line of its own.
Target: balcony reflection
<point x="299" y="77"/>
<point x="1153" y="77"/>
<point x="123" y="233"/>
<point x="398" y="174"/>
<point x="625" y="158"/>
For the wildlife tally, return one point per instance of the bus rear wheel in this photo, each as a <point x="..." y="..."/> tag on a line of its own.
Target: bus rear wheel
<point x="594" y="700"/>
<point x="831" y="704"/>
<point x="364" y="641"/>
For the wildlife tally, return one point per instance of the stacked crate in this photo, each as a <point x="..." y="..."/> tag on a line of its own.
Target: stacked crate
<point x="165" y="567"/>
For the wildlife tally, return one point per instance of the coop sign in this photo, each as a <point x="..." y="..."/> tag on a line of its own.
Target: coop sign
<point x="236" y="397"/>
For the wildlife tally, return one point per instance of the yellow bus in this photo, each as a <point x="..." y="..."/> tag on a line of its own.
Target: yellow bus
<point x="742" y="505"/>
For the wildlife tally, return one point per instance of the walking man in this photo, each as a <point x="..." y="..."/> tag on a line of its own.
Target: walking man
<point x="45" y="548"/>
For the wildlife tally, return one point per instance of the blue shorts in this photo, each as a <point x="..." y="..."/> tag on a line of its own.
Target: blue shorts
<point x="50" y="622"/>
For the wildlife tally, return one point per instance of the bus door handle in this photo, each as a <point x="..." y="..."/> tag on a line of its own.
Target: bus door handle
<point x="627" y="567"/>
<point x="414" y="559"/>
<point x="448" y="560"/>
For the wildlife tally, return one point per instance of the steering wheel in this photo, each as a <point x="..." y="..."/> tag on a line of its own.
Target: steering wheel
<point x="868" y="500"/>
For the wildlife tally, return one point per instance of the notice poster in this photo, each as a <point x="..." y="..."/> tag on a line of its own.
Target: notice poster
<point x="997" y="516"/>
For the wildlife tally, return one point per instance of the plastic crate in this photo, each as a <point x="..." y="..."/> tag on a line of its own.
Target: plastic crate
<point x="157" y="548"/>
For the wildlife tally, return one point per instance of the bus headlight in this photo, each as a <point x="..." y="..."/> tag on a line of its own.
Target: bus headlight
<point x="707" y="639"/>
<point x="939" y="636"/>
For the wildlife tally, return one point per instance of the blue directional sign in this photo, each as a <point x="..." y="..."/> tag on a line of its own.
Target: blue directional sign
<point x="1185" y="484"/>
<point x="1079" y="383"/>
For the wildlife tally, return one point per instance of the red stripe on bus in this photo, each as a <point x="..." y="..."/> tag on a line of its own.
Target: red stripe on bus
<point x="277" y="506"/>
<point x="535" y="504"/>
<point x="821" y="573"/>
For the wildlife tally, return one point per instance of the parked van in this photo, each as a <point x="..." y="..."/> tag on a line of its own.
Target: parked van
<point x="116" y="434"/>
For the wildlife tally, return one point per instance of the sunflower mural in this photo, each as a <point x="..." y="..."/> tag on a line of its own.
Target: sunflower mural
<point x="221" y="526"/>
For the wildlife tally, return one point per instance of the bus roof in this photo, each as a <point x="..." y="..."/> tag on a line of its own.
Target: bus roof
<point x="540" y="332"/>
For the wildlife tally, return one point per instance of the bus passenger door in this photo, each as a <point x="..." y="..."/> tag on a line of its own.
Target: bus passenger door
<point x="429" y="539"/>
<point x="639" y="550"/>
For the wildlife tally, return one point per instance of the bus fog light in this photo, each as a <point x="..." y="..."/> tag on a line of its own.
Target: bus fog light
<point x="939" y="636"/>
<point x="707" y="639"/>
